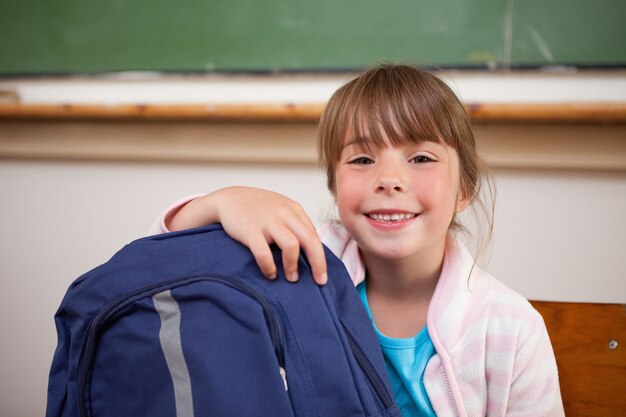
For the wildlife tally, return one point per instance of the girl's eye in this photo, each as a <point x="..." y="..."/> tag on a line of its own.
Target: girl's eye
<point x="421" y="159"/>
<point x="362" y="160"/>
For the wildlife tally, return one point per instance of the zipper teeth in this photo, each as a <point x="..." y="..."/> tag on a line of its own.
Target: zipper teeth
<point x="366" y="366"/>
<point x="87" y="355"/>
<point x="449" y="391"/>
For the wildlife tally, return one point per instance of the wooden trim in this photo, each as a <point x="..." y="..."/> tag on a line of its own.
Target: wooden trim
<point x="534" y="146"/>
<point x="549" y="112"/>
<point x="188" y="141"/>
<point x="586" y="113"/>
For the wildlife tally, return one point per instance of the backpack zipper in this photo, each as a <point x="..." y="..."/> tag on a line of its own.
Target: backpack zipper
<point x="369" y="370"/>
<point x="87" y="355"/>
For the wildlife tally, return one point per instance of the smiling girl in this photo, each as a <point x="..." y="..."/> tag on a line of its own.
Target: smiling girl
<point x="401" y="163"/>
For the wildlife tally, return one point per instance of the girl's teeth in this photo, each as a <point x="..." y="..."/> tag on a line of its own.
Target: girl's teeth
<point x="392" y="217"/>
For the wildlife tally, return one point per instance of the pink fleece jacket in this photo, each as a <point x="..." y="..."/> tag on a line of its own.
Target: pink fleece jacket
<point x="494" y="356"/>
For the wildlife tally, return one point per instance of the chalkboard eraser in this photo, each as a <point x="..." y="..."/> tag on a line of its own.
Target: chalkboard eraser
<point x="9" y="96"/>
<point x="559" y="69"/>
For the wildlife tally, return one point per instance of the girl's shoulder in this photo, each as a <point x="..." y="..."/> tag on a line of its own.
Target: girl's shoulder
<point x="505" y="311"/>
<point x="492" y="291"/>
<point x="501" y="299"/>
<point x="471" y="296"/>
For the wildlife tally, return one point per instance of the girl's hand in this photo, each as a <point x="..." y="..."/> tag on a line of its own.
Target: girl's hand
<point x="257" y="218"/>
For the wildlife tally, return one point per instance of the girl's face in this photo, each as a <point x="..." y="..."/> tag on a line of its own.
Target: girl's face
<point x="398" y="202"/>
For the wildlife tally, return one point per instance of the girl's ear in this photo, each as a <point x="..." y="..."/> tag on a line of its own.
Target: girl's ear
<point x="333" y="194"/>
<point x="462" y="201"/>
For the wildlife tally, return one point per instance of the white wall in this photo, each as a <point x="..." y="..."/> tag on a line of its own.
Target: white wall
<point x="561" y="235"/>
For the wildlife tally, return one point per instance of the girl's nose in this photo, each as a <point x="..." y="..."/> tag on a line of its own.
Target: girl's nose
<point x="390" y="185"/>
<point x="390" y="180"/>
<point x="391" y="175"/>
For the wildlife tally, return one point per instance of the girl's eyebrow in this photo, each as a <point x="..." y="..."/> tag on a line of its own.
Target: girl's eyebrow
<point x="367" y="143"/>
<point x="359" y="141"/>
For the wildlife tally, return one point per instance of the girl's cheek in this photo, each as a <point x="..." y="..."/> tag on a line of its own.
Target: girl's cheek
<point x="342" y="186"/>
<point x="346" y="197"/>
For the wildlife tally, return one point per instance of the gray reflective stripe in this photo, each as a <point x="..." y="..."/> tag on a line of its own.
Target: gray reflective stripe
<point x="169" y="335"/>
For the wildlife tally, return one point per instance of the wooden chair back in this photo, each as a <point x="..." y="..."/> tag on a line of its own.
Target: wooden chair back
<point x="589" y="342"/>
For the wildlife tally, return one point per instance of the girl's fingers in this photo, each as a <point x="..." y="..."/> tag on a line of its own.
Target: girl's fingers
<point x="263" y="256"/>
<point x="310" y="242"/>
<point x="317" y="260"/>
<point x="290" y="250"/>
<point x="293" y="237"/>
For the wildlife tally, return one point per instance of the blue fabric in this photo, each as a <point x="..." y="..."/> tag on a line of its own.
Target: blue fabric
<point x="236" y="330"/>
<point x="406" y="360"/>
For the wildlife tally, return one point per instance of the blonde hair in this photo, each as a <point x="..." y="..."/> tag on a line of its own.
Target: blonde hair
<point x="407" y="105"/>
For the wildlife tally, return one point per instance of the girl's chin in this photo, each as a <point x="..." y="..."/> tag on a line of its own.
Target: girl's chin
<point x="392" y="252"/>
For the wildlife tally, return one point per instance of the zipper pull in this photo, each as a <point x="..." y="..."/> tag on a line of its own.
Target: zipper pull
<point x="283" y="375"/>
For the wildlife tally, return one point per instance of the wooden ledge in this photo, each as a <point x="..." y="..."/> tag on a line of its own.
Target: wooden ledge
<point x="584" y="113"/>
<point x="191" y="112"/>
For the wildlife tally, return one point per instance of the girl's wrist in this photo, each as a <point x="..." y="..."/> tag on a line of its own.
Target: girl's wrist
<point x="197" y="212"/>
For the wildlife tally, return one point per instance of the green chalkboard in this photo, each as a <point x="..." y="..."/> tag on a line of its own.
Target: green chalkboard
<point x="92" y="36"/>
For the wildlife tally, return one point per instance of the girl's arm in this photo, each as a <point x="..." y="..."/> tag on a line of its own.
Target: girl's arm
<point x="258" y="218"/>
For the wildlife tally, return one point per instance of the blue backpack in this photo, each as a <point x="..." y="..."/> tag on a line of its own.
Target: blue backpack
<point x="184" y="324"/>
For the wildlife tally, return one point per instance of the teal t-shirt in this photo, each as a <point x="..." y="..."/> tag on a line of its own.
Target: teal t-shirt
<point x="406" y="360"/>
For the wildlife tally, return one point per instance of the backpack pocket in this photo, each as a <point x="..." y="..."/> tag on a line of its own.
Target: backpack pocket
<point x="190" y="346"/>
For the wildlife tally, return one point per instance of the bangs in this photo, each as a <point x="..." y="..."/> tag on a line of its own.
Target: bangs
<point x="381" y="122"/>
<point x="394" y="107"/>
